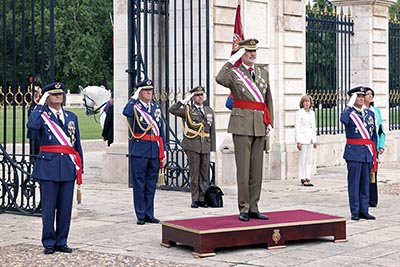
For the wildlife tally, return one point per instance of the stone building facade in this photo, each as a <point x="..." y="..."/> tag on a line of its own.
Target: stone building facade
<point x="280" y="28"/>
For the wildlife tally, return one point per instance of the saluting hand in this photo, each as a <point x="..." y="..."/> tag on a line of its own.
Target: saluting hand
<point x="136" y="94"/>
<point x="186" y="99"/>
<point x="235" y="57"/>
<point x="43" y="99"/>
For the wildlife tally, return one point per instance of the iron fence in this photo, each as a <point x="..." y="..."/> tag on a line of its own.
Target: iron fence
<point x="394" y="75"/>
<point x="328" y="66"/>
<point x="168" y="42"/>
<point x="27" y="59"/>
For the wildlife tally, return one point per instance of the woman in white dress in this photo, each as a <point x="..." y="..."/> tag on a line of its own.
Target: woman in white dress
<point x="306" y="138"/>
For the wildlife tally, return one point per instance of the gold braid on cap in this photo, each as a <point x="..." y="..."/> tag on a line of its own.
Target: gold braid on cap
<point x="145" y="130"/>
<point x="197" y="125"/>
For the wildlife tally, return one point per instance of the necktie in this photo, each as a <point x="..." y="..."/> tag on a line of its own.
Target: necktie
<point x="253" y="75"/>
<point x="59" y="118"/>
<point x="201" y="111"/>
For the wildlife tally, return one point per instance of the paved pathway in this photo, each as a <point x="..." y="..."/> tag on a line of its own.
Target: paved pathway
<point x="105" y="232"/>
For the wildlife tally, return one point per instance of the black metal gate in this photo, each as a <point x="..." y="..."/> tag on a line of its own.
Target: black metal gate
<point x="169" y="44"/>
<point x="394" y="75"/>
<point x="328" y="69"/>
<point x="27" y="60"/>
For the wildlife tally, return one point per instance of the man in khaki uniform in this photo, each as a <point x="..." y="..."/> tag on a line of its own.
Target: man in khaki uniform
<point x="198" y="140"/>
<point x="250" y="122"/>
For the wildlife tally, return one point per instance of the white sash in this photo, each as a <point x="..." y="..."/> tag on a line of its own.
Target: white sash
<point x="249" y="85"/>
<point x="361" y="128"/>
<point x="60" y="135"/>
<point x="149" y="120"/>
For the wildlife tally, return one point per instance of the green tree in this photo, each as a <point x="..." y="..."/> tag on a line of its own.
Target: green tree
<point x="83" y="43"/>
<point x="395" y="10"/>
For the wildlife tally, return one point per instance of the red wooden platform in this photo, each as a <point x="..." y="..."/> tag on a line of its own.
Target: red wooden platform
<point x="206" y="234"/>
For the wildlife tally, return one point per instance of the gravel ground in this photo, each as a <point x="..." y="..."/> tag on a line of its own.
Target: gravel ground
<point x="23" y="255"/>
<point x="389" y="189"/>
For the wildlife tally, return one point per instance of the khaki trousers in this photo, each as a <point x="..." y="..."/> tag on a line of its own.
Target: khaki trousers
<point x="249" y="165"/>
<point x="198" y="166"/>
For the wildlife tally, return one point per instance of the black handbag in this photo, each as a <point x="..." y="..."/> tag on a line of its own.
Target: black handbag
<point x="213" y="196"/>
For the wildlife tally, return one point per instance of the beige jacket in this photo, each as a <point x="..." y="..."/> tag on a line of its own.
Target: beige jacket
<point x="246" y="121"/>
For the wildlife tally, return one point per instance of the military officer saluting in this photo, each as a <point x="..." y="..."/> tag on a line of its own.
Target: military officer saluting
<point x="249" y="123"/>
<point x="198" y="140"/>
<point x="359" y="152"/>
<point x="146" y="149"/>
<point x="58" y="164"/>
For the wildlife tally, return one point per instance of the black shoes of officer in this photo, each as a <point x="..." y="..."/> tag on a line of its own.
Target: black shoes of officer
<point x="140" y="222"/>
<point x="355" y="217"/>
<point x="152" y="220"/>
<point x="244" y="217"/>
<point x="202" y="204"/>
<point x="258" y="215"/>
<point x="367" y="216"/>
<point x="63" y="248"/>
<point x="49" y="250"/>
<point x="196" y="204"/>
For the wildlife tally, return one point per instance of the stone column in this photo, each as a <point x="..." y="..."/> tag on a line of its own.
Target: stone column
<point x="287" y="77"/>
<point x="115" y="162"/>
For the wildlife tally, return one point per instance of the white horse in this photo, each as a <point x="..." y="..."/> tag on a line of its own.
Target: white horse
<point x="95" y="99"/>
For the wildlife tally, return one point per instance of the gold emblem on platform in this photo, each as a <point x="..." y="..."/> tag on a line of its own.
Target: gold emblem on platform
<point x="276" y="236"/>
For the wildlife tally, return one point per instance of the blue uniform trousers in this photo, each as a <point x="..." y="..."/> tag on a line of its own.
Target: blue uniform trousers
<point x="358" y="179"/>
<point x="145" y="176"/>
<point x="56" y="200"/>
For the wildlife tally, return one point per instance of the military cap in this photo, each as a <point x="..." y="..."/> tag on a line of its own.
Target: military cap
<point x="54" y="88"/>
<point x="146" y="84"/>
<point x="360" y="90"/>
<point x="249" y="44"/>
<point x="198" y="90"/>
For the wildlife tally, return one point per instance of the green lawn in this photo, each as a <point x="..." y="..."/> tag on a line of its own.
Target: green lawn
<point x="89" y="128"/>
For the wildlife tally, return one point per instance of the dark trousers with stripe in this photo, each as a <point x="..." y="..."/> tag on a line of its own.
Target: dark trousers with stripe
<point x="145" y="176"/>
<point x="56" y="201"/>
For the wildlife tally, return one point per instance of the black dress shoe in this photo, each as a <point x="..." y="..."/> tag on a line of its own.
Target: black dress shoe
<point x="140" y="222"/>
<point x="194" y="205"/>
<point x="244" y="217"/>
<point x="258" y="215"/>
<point x="49" y="250"/>
<point x="152" y="220"/>
<point x="203" y="204"/>
<point x="367" y="216"/>
<point x="63" y="248"/>
<point x="355" y="217"/>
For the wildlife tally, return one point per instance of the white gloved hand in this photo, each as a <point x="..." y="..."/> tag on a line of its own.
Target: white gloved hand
<point x="186" y="99"/>
<point x="352" y="100"/>
<point x="235" y="57"/>
<point x="212" y="156"/>
<point x="136" y="94"/>
<point x="270" y="131"/>
<point x="43" y="99"/>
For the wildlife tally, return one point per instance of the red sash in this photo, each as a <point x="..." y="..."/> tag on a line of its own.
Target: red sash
<point x="247" y="104"/>
<point x="159" y="140"/>
<point x="66" y="150"/>
<point x="359" y="141"/>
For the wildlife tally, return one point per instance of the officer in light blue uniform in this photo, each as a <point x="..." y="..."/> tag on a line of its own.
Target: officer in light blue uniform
<point x="359" y="152"/>
<point x="54" y="167"/>
<point x="146" y="149"/>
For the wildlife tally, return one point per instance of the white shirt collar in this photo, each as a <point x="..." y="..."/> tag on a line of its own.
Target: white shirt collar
<point x="60" y="111"/>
